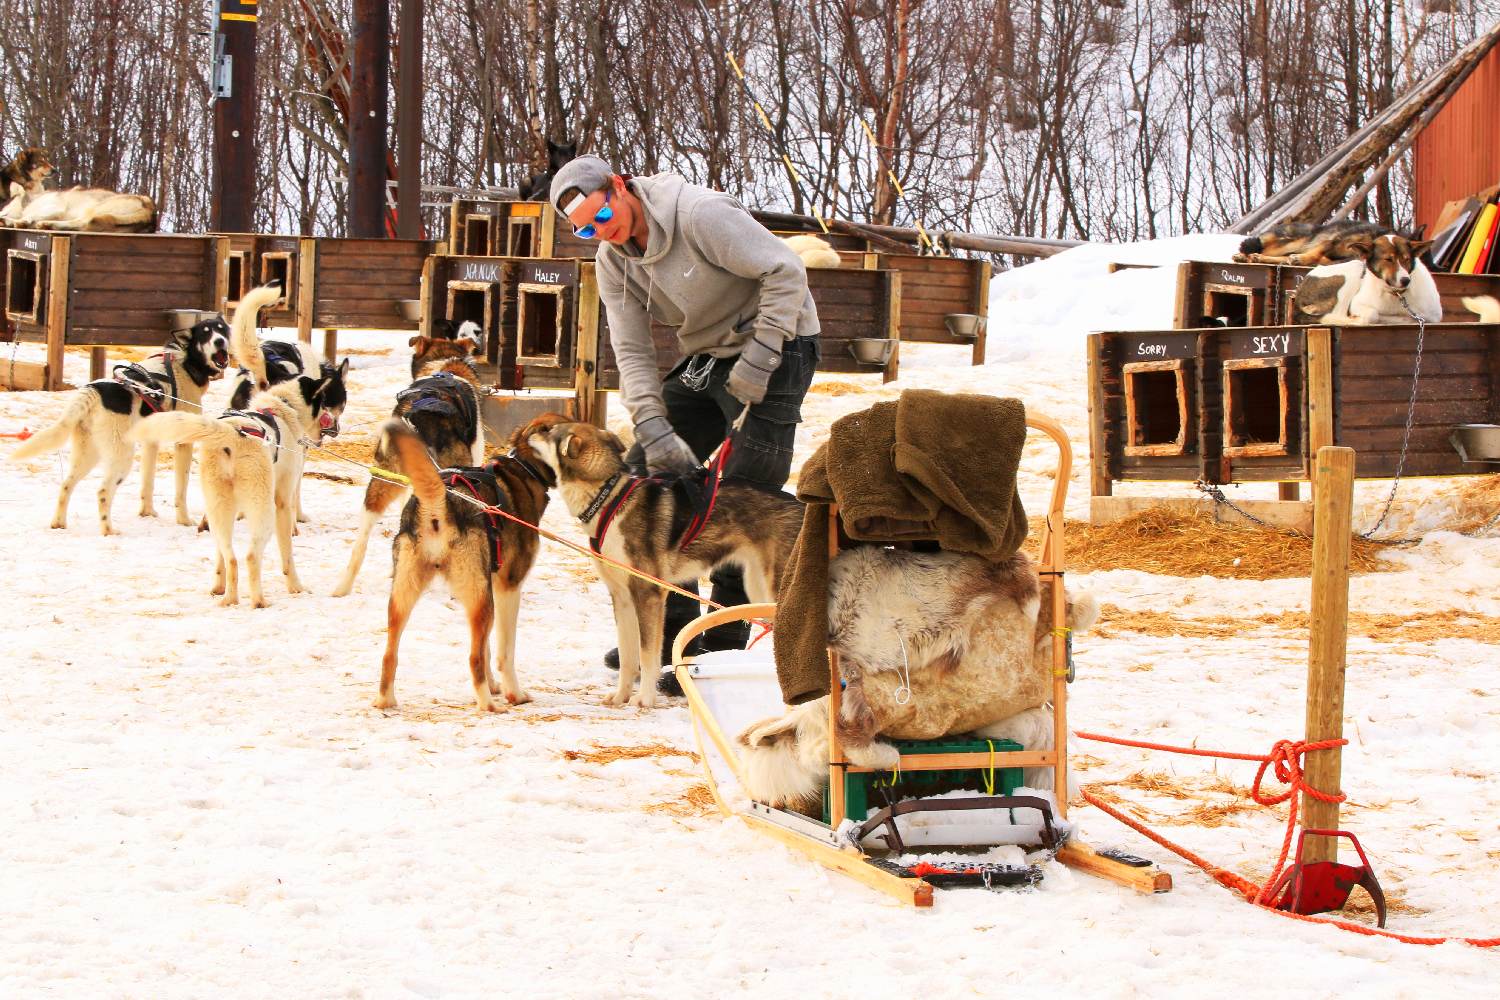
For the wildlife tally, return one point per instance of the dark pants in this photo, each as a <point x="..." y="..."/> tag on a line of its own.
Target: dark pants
<point x="762" y="454"/>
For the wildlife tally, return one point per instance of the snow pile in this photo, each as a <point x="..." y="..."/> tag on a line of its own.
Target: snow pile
<point x="1050" y="305"/>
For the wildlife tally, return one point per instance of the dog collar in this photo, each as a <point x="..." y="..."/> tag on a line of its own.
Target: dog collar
<point x="596" y="504"/>
<point x="528" y="467"/>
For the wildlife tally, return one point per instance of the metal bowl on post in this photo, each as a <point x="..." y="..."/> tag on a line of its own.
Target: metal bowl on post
<point x="1476" y="442"/>
<point x="182" y="320"/>
<point x="872" y="350"/>
<point x="964" y="326"/>
<point x="410" y="309"/>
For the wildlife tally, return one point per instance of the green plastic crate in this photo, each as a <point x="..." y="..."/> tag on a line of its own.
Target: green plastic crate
<point x="860" y="790"/>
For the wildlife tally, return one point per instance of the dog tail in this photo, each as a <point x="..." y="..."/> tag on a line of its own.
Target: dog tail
<point x="176" y="427"/>
<point x="415" y="463"/>
<point x="1252" y="245"/>
<point x="1487" y="306"/>
<point x="814" y="250"/>
<point x="243" y="342"/>
<point x="56" y="436"/>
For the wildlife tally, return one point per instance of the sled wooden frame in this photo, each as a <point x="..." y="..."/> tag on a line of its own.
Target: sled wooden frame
<point x="852" y="862"/>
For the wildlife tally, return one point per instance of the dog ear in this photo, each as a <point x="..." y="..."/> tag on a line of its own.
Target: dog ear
<point x="343" y="369"/>
<point x="1419" y="247"/>
<point x="420" y="343"/>
<point x="569" y="447"/>
<point x="1362" y="247"/>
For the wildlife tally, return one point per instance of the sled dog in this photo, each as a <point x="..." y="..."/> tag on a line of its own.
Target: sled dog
<point x="1306" y="245"/>
<point x="1386" y="283"/>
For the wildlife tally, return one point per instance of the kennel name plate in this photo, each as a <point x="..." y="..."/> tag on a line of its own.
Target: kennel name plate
<point x="1159" y="347"/>
<point x="35" y="244"/>
<point x="473" y="270"/>
<point x="1264" y="344"/>
<point x="549" y="273"/>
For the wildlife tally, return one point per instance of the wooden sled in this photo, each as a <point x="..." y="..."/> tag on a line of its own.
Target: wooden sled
<point x="818" y="840"/>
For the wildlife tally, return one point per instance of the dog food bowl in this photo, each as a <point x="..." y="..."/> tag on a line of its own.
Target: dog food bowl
<point x="872" y="350"/>
<point x="410" y="309"/>
<point x="181" y="320"/>
<point x="1476" y="442"/>
<point x="965" y="326"/>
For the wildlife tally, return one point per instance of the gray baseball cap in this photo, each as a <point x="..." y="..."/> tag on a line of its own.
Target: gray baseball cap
<point x="586" y="173"/>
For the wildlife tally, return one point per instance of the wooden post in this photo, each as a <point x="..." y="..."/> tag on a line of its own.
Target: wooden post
<point x="307" y="277"/>
<point x="369" y="87"/>
<point x="1099" y="482"/>
<point x="424" y="295"/>
<point x="982" y="309"/>
<point x="1319" y="394"/>
<point x="98" y="358"/>
<point x="331" y="346"/>
<point x="1185" y="288"/>
<point x="233" y="194"/>
<point x="409" y="124"/>
<point x="1289" y="491"/>
<point x="221" y="273"/>
<point x="893" y="327"/>
<point x="1329" y="613"/>
<point x="836" y="763"/>
<point x="586" y="349"/>
<point x="57" y="308"/>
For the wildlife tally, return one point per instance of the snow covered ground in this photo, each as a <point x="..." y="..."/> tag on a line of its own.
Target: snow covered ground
<point x="200" y="801"/>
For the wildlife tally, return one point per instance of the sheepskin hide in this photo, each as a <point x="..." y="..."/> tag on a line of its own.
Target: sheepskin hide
<point x="935" y="643"/>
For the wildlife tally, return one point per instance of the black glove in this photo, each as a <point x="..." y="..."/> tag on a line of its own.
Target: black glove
<point x="759" y="359"/>
<point x="665" y="450"/>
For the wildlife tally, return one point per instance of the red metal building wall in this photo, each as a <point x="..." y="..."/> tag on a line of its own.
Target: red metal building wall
<point x="1459" y="153"/>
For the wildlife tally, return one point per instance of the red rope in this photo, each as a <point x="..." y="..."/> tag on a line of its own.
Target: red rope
<point x="1285" y="761"/>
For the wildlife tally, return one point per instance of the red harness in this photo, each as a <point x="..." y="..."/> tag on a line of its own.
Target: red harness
<point x="492" y="519"/>
<point x="695" y="526"/>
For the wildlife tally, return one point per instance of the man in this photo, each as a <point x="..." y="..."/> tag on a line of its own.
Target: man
<point x="693" y="258"/>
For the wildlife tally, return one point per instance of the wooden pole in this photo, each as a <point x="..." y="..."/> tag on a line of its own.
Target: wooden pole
<point x="1328" y="638"/>
<point x="409" y="124"/>
<point x="368" y="90"/>
<point x="1320" y="430"/>
<point x="233" y="193"/>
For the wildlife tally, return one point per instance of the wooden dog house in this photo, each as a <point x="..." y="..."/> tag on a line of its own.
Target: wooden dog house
<point x="1219" y="294"/>
<point x="1254" y="405"/>
<point x="254" y="259"/>
<point x="102" y="290"/>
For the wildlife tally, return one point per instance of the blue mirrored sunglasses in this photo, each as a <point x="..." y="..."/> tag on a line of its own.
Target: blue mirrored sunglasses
<point x="602" y="216"/>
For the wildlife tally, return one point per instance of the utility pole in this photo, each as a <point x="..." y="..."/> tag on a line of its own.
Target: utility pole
<point x="409" y="124"/>
<point x="368" y="92"/>
<point x="233" y="80"/>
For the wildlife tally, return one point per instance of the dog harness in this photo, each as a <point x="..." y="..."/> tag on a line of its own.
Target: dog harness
<point x="696" y="492"/>
<point x="145" y="385"/>
<point x="442" y="394"/>
<point x="269" y="430"/>
<point x="468" y="477"/>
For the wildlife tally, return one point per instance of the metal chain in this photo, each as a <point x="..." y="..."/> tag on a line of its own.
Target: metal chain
<point x="1411" y="411"/>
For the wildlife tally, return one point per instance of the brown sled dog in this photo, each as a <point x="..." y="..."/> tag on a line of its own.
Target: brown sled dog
<point x="750" y="527"/>
<point x="483" y="557"/>
<point x="1303" y="244"/>
<point x="442" y="406"/>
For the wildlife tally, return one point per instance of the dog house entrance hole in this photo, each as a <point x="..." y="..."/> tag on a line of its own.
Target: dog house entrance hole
<point x="1256" y="407"/>
<point x="477" y="235"/>
<point x="540" y="319"/>
<point x="520" y="238"/>
<point x="238" y="273"/>
<point x="1156" y="407"/>
<point x="472" y="301"/>
<point x="278" y="267"/>
<point x="23" y="299"/>
<point x="1227" y="307"/>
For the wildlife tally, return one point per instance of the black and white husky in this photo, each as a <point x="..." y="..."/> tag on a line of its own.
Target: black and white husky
<point x="264" y="363"/>
<point x="100" y="415"/>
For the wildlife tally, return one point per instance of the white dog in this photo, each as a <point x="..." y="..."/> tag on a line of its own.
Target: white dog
<point x="80" y="209"/>
<point x="251" y="461"/>
<point x="101" y="414"/>
<point x="1388" y="284"/>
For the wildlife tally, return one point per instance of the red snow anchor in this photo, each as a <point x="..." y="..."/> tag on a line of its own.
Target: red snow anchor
<point x="1321" y="886"/>
<point x="20" y="435"/>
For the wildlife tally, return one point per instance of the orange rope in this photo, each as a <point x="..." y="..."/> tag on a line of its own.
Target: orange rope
<point x="1285" y="761"/>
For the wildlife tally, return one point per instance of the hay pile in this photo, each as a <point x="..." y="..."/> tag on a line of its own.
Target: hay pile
<point x="1172" y="543"/>
<point x="608" y="755"/>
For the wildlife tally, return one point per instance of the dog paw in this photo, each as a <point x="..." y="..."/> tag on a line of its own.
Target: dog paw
<point x="227" y="602"/>
<point x="60" y="525"/>
<point x="615" y="699"/>
<point x="384" y="701"/>
<point x="183" y="520"/>
<point x="491" y="706"/>
<point x="644" y="698"/>
<point x="342" y="590"/>
<point x="148" y="512"/>
<point x="519" y="698"/>
<point x="294" y="585"/>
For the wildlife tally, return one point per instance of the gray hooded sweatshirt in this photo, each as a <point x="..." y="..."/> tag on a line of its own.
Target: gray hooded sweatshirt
<point x="710" y="270"/>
